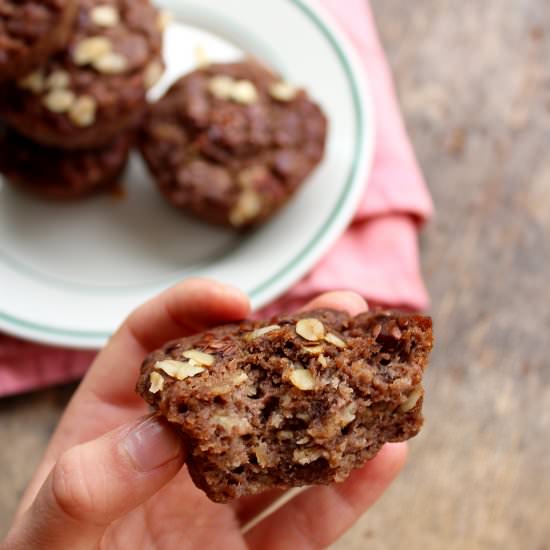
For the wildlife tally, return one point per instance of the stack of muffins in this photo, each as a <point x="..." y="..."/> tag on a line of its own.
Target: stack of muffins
<point x="74" y="75"/>
<point x="230" y="143"/>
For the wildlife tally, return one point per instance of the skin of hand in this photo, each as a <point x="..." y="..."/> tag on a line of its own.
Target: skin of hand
<point x="113" y="478"/>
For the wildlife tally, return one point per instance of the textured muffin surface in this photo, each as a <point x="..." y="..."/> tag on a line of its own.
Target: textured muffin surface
<point x="30" y="31"/>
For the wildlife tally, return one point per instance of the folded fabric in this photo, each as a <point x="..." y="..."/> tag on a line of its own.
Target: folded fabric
<point x="377" y="256"/>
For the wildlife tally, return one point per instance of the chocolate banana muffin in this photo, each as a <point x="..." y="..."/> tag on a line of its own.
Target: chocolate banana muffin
<point x="31" y="31"/>
<point x="57" y="173"/>
<point x="297" y="400"/>
<point x="96" y="87"/>
<point x="232" y="142"/>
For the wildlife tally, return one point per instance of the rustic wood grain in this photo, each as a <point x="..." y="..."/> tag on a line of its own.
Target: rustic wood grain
<point x="474" y="81"/>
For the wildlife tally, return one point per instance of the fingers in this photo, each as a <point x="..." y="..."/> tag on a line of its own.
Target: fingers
<point x="106" y="397"/>
<point x="347" y="301"/>
<point x="94" y="484"/>
<point x="320" y="515"/>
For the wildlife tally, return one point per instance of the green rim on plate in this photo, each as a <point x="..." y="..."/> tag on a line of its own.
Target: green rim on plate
<point x="310" y="247"/>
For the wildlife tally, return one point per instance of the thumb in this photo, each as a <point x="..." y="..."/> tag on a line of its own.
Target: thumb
<point x="95" y="483"/>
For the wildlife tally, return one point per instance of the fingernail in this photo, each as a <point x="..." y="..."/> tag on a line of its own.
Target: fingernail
<point x="151" y="444"/>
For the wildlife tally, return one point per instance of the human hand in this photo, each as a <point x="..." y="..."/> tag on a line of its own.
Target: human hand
<point x="110" y="479"/>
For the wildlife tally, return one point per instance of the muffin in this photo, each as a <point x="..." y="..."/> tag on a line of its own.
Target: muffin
<point x="296" y="400"/>
<point x="232" y="143"/>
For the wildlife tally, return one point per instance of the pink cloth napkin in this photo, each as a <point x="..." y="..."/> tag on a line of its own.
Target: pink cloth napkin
<point x="377" y="256"/>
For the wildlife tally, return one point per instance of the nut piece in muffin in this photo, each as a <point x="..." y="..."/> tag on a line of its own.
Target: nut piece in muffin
<point x="233" y="142"/>
<point x="297" y="400"/>
<point x="59" y="174"/>
<point x="30" y="32"/>
<point x="96" y="87"/>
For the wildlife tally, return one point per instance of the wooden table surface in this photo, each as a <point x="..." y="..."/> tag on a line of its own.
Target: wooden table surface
<point x="474" y="82"/>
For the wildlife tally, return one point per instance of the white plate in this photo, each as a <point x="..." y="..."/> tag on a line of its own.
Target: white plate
<point x="69" y="273"/>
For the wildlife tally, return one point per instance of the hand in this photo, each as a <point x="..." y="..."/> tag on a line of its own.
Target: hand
<point x="112" y="480"/>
